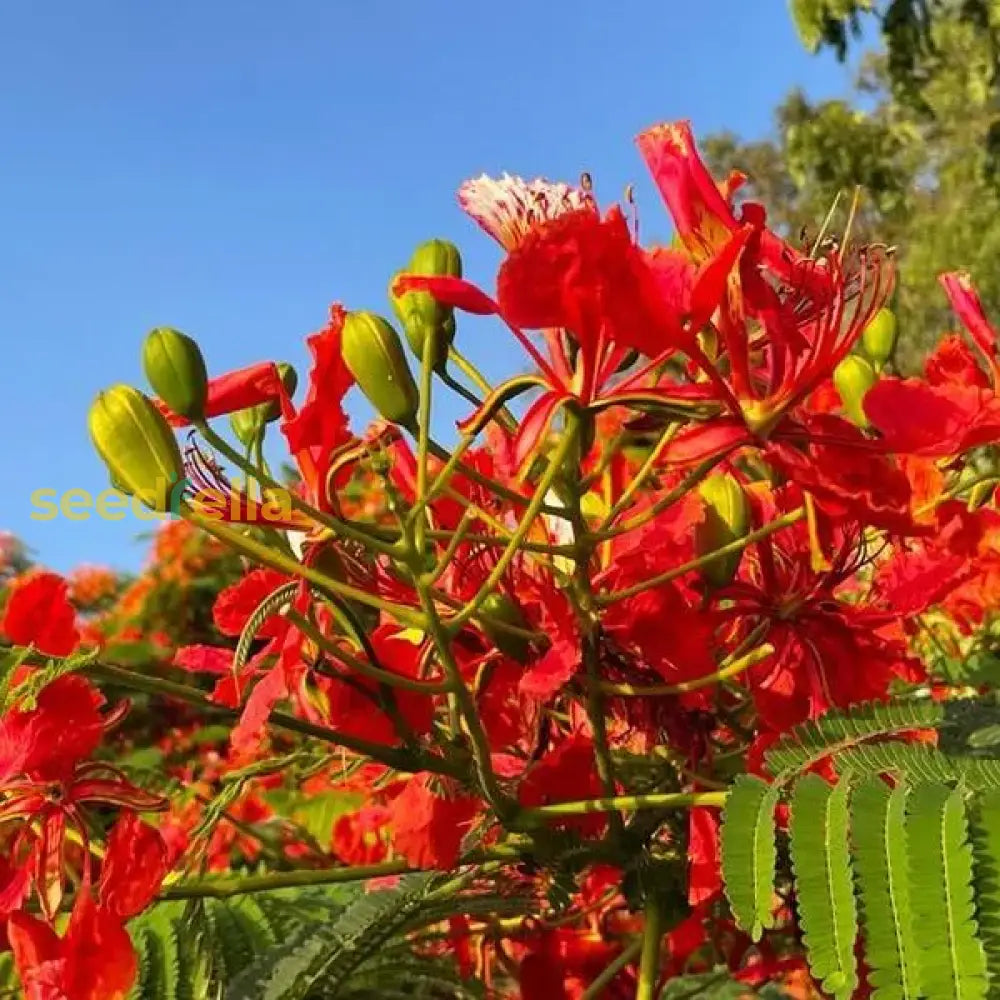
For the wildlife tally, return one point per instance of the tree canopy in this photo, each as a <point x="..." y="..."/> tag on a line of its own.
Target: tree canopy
<point x="917" y="135"/>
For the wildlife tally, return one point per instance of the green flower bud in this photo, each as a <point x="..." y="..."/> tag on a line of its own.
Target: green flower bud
<point x="269" y="412"/>
<point x="248" y="425"/>
<point x="137" y="445"/>
<point x="499" y="606"/>
<point x="418" y="312"/>
<point x="853" y="377"/>
<point x="727" y="519"/>
<point x="175" y="369"/>
<point x="372" y="351"/>
<point x="879" y="338"/>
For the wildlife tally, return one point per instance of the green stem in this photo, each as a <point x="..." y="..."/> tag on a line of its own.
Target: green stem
<point x="466" y="705"/>
<point x="695" y="476"/>
<point x="738" y="546"/>
<point x="640" y="477"/>
<point x="227" y="887"/>
<point x="423" y="435"/>
<point x="597" y="987"/>
<point x="583" y="601"/>
<point x="268" y="556"/>
<point x="556" y="462"/>
<point x="733" y="669"/>
<point x="649" y="962"/>
<point x="446" y="558"/>
<point x="338" y="527"/>
<point x="398" y="759"/>
<point x="368" y="670"/>
<point x="627" y="803"/>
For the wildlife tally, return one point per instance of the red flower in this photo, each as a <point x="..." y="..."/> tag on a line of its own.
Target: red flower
<point x="354" y="703"/>
<point x="959" y="407"/>
<point x="47" y="785"/>
<point x="952" y="363"/>
<point x="786" y="320"/>
<point x="239" y="390"/>
<point x="828" y="651"/>
<point x="848" y="480"/>
<point x="704" y="856"/>
<point x="566" y="774"/>
<point x="702" y="215"/>
<point x="94" y="960"/>
<point x="236" y="604"/>
<point x="320" y="428"/>
<point x="429" y="825"/>
<point x="49" y="740"/>
<point x="597" y="295"/>
<point x="588" y="276"/>
<point x="133" y="868"/>
<point x="39" y="613"/>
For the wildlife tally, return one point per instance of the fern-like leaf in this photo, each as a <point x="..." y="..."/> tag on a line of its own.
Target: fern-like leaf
<point x="748" y="853"/>
<point x="986" y="855"/>
<point x="836" y="731"/>
<point x="878" y="816"/>
<point x="824" y="890"/>
<point x="189" y="951"/>
<point x="919" y="763"/>
<point x="330" y="952"/>
<point x="952" y="961"/>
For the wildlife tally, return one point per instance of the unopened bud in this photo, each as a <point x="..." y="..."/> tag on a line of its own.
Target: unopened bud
<point x="289" y="380"/>
<point x="248" y="425"/>
<point x="372" y="351"/>
<point x="727" y="519"/>
<point x="175" y="369"/>
<point x="501" y="608"/>
<point x="137" y="445"/>
<point x="878" y="339"/>
<point x="853" y="377"/>
<point x="420" y="314"/>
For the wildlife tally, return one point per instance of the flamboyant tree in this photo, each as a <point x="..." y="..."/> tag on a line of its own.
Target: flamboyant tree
<point x="654" y="682"/>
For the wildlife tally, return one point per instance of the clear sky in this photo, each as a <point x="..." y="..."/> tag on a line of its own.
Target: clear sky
<point x="230" y="167"/>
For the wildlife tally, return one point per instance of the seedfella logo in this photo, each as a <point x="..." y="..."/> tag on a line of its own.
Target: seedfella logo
<point x="274" y="507"/>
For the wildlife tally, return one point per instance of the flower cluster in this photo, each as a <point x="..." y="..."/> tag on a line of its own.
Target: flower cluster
<point x="709" y="513"/>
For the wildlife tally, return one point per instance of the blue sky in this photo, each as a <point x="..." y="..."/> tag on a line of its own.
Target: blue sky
<point x="230" y="168"/>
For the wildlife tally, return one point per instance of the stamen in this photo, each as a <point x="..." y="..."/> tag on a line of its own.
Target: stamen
<point x="509" y="207"/>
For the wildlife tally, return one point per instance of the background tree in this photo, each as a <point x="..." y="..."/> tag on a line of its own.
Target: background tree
<point x="928" y="167"/>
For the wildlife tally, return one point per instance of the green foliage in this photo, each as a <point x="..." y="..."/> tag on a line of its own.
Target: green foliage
<point x="910" y="30"/>
<point x="749" y="853"/>
<point x="311" y="944"/>
<point x="810" y="742"/>
<point x="827" y="913"/>
<point x="913" y="865"/>
<point x="952" y="962"/>
<point x="986" y="854"/>
<point x="920" y="135"/>
<point x="332" y="952"/>
<point x="828" y="22"/>
<point x="716" y="985"/>
<point x="880" y="861"/>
